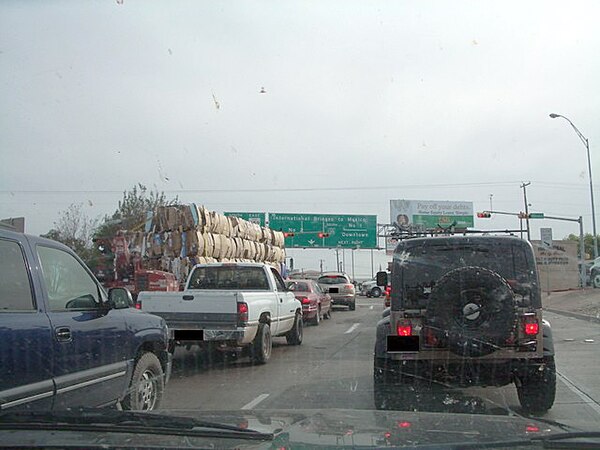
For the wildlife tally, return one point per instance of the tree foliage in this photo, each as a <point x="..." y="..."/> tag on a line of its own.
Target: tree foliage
<point x="74" y="229"/>
<point x="588" y="243"/>
<point x="132" y="210"/>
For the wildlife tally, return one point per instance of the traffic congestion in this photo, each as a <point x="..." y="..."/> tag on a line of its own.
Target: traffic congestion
<point x="281" y="225"/>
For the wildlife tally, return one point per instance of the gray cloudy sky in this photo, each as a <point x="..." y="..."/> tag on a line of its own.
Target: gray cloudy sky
<point x="415" y="100"/>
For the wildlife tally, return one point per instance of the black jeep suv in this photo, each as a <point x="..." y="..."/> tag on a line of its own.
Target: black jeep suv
<point x="465" y="311"/>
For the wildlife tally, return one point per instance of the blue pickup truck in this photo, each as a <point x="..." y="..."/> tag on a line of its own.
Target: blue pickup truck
<point x="65" y="342"/>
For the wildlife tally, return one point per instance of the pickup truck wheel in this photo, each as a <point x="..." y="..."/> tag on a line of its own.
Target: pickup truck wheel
<point x="537" y="391"/>
<point x="376" y="292"/>
<point x="147" y="385"/>
<point x="294" y="336"/>
<point x="262" y="345"/>
<point x="596" y="279"/>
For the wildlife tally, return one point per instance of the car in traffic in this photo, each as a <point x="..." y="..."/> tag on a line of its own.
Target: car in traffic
<point x="65" y="342"/>
<point x="316" y="305"/>
<point x="339" y="287"/>
<point x="465" y="311"/>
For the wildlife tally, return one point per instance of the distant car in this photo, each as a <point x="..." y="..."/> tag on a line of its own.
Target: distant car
<point x="315" y="303"/>
<point x="340" y="288"/>
<point x="371" y="289"/>
<point x="593" y="271"/>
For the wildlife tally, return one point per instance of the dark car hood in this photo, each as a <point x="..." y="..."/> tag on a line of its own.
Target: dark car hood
<point x="311" y="428"/>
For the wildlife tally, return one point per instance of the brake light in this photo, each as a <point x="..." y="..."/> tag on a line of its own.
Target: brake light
<point x="304" y="300"/>
<point x="349" y="286"/>
<point x="404" y="330"/>
<point x="138" y="305"/>
<point x="404" y="424"/>
<point x="242" y="312"/>
<point x="532" y="328"/>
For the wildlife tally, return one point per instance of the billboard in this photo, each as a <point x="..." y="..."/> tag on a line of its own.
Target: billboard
<point x="429" y="214"/>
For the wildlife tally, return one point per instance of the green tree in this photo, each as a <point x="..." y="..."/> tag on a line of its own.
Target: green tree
<point x="74" y="229"/>
<point x="588" y="243"/>
<point x="132" y="210"/>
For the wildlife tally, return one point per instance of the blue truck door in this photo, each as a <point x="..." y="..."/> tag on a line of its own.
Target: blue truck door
<point x="25" y="337"/>
<point x="91" y="366"/>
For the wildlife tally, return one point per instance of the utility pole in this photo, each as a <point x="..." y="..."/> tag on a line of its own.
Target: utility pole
<point x="352" y="254"/>
<point x="337" y="259"/>
<point x="524" y="187"/>
<point x="343" y="260"/>
<point x="321" y="265"/>
<point x="491" y="206"/>
<point x="372" y="273"/>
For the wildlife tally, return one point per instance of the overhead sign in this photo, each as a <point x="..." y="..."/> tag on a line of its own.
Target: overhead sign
<point x="326" y="230"/>
<point x="259" y="218"/>
<point x="431" y="214"/>
<point x="546" y="237"/>
<point x="536" y="216"/>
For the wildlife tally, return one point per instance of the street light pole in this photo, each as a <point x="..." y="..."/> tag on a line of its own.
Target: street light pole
<point x="587" y="147"/>
<point x="524" y="187"/>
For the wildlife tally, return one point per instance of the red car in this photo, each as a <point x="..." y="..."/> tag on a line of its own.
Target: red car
<point x="315" y="303"/>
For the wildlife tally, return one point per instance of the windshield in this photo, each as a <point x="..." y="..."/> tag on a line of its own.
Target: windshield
<point x="299" y="286"/>
<point x="333" y="279"/>
<point x="197" y="197"/>
<point x="232" y="277"/>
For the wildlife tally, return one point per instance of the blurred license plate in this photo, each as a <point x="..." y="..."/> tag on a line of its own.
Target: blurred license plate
<point x="188" y="335"/>
<point x="403" y="343"/>
<point x="333" y="290"/>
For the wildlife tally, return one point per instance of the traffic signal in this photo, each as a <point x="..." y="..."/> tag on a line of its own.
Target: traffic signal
<point x="288" y="234"/>
<point x="323" y="235"/>
<point x="484" y="215"/>
<point x="522" y="215"/>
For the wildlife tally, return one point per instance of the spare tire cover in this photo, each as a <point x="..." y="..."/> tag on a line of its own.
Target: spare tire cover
<point x="473" y="309"/>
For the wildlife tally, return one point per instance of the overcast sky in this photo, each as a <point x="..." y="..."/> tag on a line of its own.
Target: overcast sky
<point x="364" y="102"/>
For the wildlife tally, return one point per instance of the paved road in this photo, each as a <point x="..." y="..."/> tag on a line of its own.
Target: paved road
<point x="333" y="369"/>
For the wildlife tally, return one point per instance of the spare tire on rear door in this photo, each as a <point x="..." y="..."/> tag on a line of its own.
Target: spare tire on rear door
<point x="473" y="309"/>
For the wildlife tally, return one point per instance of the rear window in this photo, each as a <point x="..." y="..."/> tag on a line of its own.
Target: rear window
<point x="419" y="268"/>
<point x="299" y="286"/>
<point x="229" y="277"/>
<point x="333" y="279"/>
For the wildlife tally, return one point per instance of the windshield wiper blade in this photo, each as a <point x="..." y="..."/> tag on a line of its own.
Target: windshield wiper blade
<point x="126" y="422"/>
<point x="555" y="440"/>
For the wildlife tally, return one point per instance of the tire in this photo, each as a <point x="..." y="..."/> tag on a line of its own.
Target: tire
<point x="376" y="292"/>
<point x="294" y="336"/>
<point x="352" y="306"/>
<point x="263" y="344"/>
<point x="147" y="384"/>
<point x="596" y="279"/>
<point x="538" y="391"/>
<point x="474" y="309"/>
<point x="317" y="319"/>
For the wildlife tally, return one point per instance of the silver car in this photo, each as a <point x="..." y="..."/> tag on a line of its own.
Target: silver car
<point x="340" y="289"/>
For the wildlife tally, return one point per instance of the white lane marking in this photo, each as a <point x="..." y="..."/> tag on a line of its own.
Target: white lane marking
<point x="371" y="307"/>
<point x="589" y="401"/>
<point x="352" y="328"/>
<point x="255" y="402"/>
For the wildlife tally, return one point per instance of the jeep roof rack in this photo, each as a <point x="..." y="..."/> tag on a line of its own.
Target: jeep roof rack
<point x="402" y="234"/>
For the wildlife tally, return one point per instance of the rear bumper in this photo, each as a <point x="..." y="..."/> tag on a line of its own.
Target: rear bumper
<point x="239" y="336"/>
<point x="341" y="299"/>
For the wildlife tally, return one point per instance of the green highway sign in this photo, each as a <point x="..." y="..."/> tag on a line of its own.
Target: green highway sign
<point x="345" y="231"/>
<point x="536" y="215"/>
<point x="255" y="217"/>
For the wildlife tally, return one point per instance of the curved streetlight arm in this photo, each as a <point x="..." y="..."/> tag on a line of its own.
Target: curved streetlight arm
<point x="579" y="134"/>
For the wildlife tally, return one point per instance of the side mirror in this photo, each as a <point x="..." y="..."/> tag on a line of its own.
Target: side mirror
<point x="120" y="298"/>
<point x="382" y="278"/>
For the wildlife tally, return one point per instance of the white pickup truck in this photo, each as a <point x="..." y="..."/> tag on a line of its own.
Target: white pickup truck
<point x="229" y="307"/>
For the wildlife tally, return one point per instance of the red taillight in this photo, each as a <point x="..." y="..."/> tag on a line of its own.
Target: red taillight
<point x="532" y="429"/>
<point x="349" y="286"/>
<point x="304" y="300"/>
<point x="242" y="312"/>
<point x="404" y="424"/>
<point x="138" y="305"/>
<point x="532" y="328"/>
<point x="404" y="330"/>
<point x="387" y="435"/>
